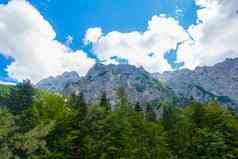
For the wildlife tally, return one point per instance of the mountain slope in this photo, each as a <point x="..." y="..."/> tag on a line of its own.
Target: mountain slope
<point x="218" y="82"/>
<point x="139" y="85"/>
<point x="58" y="83"/>
<point x="4" y="89"/>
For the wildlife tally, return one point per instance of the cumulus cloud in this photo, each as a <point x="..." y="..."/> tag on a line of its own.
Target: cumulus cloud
<point x="162" y="34"/>
<point x="215" y="36"/>
<point x="212" y="40"/>
<point x="30" y="40"/>
<point x="92" y="35"/>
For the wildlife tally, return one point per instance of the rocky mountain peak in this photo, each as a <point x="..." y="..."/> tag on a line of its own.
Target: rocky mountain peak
<point x="218" y="82"/>
<point x="58" y="83"/>
<point x="139" y="85"/>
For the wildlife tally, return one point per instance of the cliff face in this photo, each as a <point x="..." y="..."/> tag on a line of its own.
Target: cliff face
<point x="218" y="82"/>
<point x="138" y="84"/>
<point x="58" y="83"/>
<point x="204" y="84"/>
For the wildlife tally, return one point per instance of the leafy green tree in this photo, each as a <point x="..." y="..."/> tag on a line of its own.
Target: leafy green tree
<point x="15" y="144"/>
<point x="197" y="113"/>
<point x="220" y="120"/>
<point x="60" y="139"/>
<point x="7" y="128"/>
<point x="209" y="145"/>
<point x="175" y="124"/>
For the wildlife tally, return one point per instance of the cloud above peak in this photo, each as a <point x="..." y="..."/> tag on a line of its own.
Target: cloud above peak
<point x="215" y="37"/>
<point x="212" y="40"/>
<point x="30" y="40"/>
<point x="162" y="34"/>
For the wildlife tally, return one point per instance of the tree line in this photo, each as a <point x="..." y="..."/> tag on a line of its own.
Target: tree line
<point x="55" y="127"/>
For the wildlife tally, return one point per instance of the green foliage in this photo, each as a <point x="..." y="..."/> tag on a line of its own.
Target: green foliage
<point x="138" y="107"/>
<point x="150" y="114"/>
<point x="51" y="109"/>
<point x="48" y="126"/>
<point x="104" y="102"/>
<point x="5" y="89"/>
<point x="20" y="97"/>
<point x="15" y="144"/>
<point x="208" y="144"/>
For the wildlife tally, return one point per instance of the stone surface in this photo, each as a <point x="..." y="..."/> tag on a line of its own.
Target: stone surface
<point x="218" y="82"/>
<point x="138" y="84"/>
<point x="58" y="83"/>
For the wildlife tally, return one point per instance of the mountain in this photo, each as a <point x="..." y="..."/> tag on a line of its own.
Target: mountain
<point x="58" y="83"/>
<point x="138" y="84"/>
<point x="218" y="82"/>
<point x="204" y="84"/>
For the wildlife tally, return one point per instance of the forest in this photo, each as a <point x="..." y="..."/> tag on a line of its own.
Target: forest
<point x="35" y="124"/>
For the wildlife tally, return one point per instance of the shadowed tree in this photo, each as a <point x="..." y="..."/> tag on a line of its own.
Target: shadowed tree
<point x="104" y="102"/>
<point x="150" y="114"/>
<point x="138" y="107"/>
<point x="20" y="97"/>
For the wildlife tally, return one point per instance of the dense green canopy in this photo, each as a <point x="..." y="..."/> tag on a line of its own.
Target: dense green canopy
<point x="49" y="126"/>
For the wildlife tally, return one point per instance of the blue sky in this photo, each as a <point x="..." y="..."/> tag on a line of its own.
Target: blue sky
<point x="75" y="17"/>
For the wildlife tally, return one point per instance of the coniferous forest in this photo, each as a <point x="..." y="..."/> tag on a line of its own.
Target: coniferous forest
<point x="35" y="124"/>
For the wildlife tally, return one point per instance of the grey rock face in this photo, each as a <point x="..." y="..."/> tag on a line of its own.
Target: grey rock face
<point x="218" y="82"/>
<point x="138" y="84"/>
<point x="58" y="83"/>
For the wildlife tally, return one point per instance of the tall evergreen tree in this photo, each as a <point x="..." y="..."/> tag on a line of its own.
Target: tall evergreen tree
<point x="169" y="116"/>
<point x="104" y="102"/>
<point x="82" y="106"/>
<point x="81" y="129"/>
<point x="123" y="104"/>
<point x="21" y="97"/>
<point x="138" y="107"/>
<point x="77" y="102"/>
<point x="197" y="113"/>
<point x="72" y="101"/>
<point x="150" y="114"/>
<point x="123" y="101"/>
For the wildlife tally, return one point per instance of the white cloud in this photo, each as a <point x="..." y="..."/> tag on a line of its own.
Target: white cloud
<point x="92" y="35"/>
<point x="7" y="83"/>
<point x="215" y="37"/>
<point x="30" y="40"/>
<point x="163" y="34"/>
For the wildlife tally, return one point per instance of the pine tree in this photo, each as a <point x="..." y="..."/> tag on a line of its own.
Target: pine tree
<point x="123" y="104"/>
<point x="104" y="102"/>
<point x="72" y="100"/>
<point x="169" y="116"/>
<point x="138" y="107"/>
<point x="82" y="106"/>
<point x="82" y="110"/>
<point x="21" y="97"/>
<point x="123" y="101"/>
<point x="197" y="114"/>
<point x="150" y="114"/>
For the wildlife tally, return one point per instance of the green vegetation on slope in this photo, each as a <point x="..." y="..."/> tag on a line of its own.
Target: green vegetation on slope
<point x="5" y="89"/>
<point x="47" y="126"/>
